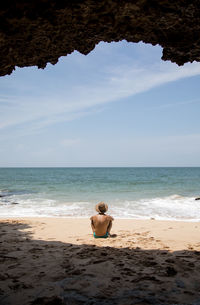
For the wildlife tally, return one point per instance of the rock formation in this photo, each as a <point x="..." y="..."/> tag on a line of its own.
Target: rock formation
<point x="35" y="32"/>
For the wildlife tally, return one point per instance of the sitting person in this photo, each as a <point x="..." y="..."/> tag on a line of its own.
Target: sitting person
<point x="101" y="223"/>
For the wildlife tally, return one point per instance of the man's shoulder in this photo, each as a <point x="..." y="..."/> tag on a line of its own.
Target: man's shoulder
<point x="110" y="217"/>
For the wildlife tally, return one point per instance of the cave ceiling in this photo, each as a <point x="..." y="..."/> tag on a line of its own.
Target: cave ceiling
<point x="37" y="32"/>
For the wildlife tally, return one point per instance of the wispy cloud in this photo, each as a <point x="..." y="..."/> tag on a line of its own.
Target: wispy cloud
<point x="39" y="108"/>
<point x="132" y="80"/>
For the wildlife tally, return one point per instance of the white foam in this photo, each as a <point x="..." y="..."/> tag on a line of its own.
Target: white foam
<point x="174" y="207"/>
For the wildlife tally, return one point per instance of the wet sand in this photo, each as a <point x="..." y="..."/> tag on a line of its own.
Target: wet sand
<point x="57" y="261"/>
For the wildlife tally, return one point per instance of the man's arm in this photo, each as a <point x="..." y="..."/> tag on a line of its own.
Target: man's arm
<point x="92" y="224"/>
<point x="110" y="224"/>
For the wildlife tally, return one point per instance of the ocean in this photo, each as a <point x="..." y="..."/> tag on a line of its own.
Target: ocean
<point x="138" y="193"/>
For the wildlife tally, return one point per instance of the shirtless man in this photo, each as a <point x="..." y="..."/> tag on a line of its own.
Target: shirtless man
<point x="101" y="223"/>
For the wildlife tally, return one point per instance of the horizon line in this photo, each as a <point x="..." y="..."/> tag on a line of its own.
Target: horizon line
<point x="5" y="167"/>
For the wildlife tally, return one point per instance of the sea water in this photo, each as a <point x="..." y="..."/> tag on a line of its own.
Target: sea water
<point x="140" y="193"/>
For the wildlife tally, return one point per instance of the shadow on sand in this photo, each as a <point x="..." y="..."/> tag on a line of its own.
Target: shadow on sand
<point x="49" y="272"/>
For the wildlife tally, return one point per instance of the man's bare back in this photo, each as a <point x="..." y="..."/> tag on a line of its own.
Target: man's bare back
<point x="101" y="223"/>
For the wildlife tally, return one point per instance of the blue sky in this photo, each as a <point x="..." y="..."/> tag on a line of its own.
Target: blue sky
<point x="118" y="106"/>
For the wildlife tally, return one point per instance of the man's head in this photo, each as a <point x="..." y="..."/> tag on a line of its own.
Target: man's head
<point x="101" y="207"/>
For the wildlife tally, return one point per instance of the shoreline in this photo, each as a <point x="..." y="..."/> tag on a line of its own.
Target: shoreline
<point x="115" y="217"/>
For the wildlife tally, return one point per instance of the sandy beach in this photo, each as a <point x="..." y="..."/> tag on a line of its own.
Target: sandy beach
<point x="57" y="261"/>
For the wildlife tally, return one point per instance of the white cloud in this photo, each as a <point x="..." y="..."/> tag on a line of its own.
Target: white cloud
<point x="133" y="80"/>
<point x="38" y="111"/>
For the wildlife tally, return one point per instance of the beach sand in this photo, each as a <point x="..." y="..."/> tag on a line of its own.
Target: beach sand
<point x="57" y="261"/>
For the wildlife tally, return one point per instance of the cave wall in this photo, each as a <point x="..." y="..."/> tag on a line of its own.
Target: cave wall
<point x="35" y="32"/>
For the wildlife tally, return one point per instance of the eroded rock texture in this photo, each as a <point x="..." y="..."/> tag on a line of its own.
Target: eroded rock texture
<point x="36" y="32"/>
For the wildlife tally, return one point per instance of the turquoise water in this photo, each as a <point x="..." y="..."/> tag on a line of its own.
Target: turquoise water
<point x="163" y="193"/>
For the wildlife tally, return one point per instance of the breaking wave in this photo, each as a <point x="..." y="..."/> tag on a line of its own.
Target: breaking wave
<point x="25" y="204"/>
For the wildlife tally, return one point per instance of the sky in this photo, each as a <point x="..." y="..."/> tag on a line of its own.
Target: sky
<point x="120" y="105"/>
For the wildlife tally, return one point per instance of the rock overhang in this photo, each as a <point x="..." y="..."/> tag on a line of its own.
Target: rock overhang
<point x="37" y="32"/>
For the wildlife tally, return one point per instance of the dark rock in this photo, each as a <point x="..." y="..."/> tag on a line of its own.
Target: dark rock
<point x="171" y="271"/>
<point x="180" y="283"/>
<point x="55" y="300"/>
<point x="14" y="202"/>
<point x="198" y="198"/>
<point x="34" y="33"/>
